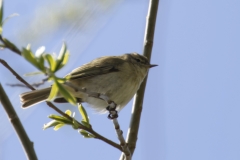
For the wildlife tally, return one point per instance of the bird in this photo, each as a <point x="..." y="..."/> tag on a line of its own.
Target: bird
<point x="117" y="77"/>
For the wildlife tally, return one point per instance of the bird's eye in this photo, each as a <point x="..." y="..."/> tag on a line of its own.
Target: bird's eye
<point x="138" y="60"/>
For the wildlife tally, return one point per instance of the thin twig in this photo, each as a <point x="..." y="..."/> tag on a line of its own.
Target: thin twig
<point x="138" y="99"/>
<point x="121" y="139"/>
<point x="17" y="125"/>
<point x="113" y="113"/>
<point x="15" y="74"/>
<point x="90" y="130"/>
<point x="33" y="85"/>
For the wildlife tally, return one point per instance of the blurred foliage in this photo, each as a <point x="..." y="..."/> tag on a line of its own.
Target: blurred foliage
<point x="76" y="15"/>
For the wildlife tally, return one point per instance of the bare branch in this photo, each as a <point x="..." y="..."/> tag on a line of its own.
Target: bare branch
<point x="138" y="99"/>
<point x="121" y="139"/>
<point x="17" y="125"/>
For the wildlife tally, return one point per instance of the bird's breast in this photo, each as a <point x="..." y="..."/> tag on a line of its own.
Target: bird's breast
<point x="119" y="86"/>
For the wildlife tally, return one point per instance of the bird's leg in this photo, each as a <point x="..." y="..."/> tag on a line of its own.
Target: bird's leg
<point x="111" y="105"/>
<point x="113" y="113"/>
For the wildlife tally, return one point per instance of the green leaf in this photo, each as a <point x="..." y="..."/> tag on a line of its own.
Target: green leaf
<point x="60" y="119"/>
<point x="86" y="124"/>
<point x="67" y="95"/>
<point x="85" y="134"/>
<point x="33" y="73"/>
<point x="54" y="91"/>
<point x="1" y="11"/>
<point x="10" y="45"/>
<point x="62" y="52"/>
<point x="75" y="125"/>
<point x="61" y="80"/>
<point x="91" y="135"/>
<point x="65" y="59"/>
<point x="62" y="57"/>
<point x="51" y="124"/>
<point x="68" y="112"/>
<point x="83" y="113"/>
<point x="57" y="127"/>
<point x="41" y="63"/>
<point x="51" y="61"/>
<point x="29" y="56"/>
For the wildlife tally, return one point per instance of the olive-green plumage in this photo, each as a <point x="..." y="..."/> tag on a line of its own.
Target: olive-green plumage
<point x="118" y="77"/>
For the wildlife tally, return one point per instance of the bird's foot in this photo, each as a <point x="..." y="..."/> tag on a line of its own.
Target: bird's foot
<point x="113" y="113"/>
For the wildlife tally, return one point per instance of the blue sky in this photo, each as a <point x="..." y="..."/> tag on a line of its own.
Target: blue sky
<point x="191" y="108"/>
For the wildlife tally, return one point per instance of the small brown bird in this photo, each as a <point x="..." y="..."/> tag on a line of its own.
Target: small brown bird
<point x="118" y="77"/>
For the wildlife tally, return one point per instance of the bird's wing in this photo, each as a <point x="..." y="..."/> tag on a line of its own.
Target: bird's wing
<point x="102" y="65"/>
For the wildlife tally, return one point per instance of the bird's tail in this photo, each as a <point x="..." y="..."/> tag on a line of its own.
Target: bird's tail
<point x="33" y="97"/>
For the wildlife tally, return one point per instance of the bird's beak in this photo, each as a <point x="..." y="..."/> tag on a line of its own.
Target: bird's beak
<point x="152" y="65"/>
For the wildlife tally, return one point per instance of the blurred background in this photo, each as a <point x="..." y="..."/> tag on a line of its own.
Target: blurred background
<point x="191" y="105"/>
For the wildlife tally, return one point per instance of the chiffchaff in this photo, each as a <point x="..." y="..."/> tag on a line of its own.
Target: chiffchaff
<point x="117" y="77"/>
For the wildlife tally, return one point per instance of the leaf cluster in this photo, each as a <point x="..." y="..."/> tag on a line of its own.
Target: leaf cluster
<point x="60" y="121"/>
<point x="40" y="59"/>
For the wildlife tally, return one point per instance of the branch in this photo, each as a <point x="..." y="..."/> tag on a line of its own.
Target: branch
<point x="138" y="99"/>
<point x="112" y="115"/>
<point x="90" y="130"/>
<point x="17" y="125"/>
<point x="15" y="74"/>
<point x="123" y="144"/>
<point x="10" y="45"/>
<point x="33" y="85"/>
